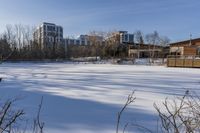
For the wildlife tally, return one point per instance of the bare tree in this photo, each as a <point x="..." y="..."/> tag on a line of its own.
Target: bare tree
<point x="180" y="115"/>
<point x="96" y="40"/>
<point x="153" y="40"/>
<point x="164" y="41"/>
<point x="38" y="125"/>
<point x="8" y="116"/>
<point x="10" y="36"/>
<point x="5" y="48"/>
<point x="130" y="100"/>
<point x="18" y="32"/>
<point x="139" y="38"/>
<point x="112" y="42"/>
<point x="27" y="33"/>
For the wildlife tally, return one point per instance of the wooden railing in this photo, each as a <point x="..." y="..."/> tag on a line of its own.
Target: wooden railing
<point x="183" y="61"/>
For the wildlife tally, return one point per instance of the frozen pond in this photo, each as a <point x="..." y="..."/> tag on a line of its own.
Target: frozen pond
<point x="86" y="97"/>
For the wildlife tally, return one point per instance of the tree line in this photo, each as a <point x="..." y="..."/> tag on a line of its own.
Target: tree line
<point x="16" y="43"/>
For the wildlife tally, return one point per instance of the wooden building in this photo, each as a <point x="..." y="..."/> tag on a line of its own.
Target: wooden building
<point x="144" y="50"/>
<point x="185" y="54"/>
<point x="188" y="47"/>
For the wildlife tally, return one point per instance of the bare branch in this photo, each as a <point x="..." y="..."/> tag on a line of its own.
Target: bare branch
<point x="130" y="100"/>
<point x="38" y="125"/>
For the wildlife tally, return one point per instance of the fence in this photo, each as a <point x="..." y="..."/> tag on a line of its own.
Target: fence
<point x="183" y="61"/>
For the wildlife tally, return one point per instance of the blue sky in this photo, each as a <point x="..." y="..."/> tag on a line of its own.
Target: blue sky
<point x="173" y="18"/>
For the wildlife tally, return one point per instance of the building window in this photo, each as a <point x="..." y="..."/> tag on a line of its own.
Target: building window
<point x="77" y="42"/>
<point x="82" y="42"/>
<point x="61" y="30"/>
<point x="131" y="38"/>
<point x="125" y="38"/>
<point x="50" y="28"/>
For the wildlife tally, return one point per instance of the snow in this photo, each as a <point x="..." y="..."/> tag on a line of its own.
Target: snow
<point x="86" y="97"/>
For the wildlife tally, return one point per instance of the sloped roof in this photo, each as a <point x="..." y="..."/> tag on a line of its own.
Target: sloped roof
<point x="185" y="42"/>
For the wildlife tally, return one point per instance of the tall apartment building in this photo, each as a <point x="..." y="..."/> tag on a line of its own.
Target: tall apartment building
<point x="48" y="34"/>
<point x="126" y="37"/>
<point x="83" y="40"/>
<point x="122" y="37"/>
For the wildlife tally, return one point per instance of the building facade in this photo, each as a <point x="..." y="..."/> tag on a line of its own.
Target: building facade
<point x="145" y="51"/>
<point x="126" y="37"/>
<point x="184" y="54"/>
<point x="84" y="40"/>
<point x="81" y="40"/>
<point x="48" y="34"/>
<point x="189" y="47"/>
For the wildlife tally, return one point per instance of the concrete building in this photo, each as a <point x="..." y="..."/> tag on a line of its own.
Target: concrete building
<point x="126" y="37"/>
<point x="48" y="34"/>
<point x="121" y="37"/>
<point x="83" y="40"/>
<point x="70" y="41"/>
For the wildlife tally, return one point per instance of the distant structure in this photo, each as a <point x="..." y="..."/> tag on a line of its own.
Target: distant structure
<point x="123" y="37"/>
<point x="135" y="50"/>
<point x="126" y="37"/>
<point x="184" y="53"/>
<point x="187" y="47"/>
<point x="146" y="50"/>
<point x="83" y="40"/>
<point x="48" y="34"/>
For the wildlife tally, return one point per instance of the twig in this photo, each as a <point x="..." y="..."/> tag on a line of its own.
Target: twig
<point x="130" y="99"/>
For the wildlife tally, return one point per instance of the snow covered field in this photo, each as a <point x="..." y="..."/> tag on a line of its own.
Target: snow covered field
<point x="86" y="97"/>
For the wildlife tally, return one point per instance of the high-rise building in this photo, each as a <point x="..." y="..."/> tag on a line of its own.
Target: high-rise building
<point x="71" y="41"/>
<point x="121" y="37"/>
<point x="126" y="37"/>
<point x="84" y="40"/>
<point x="48" y="34"/>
